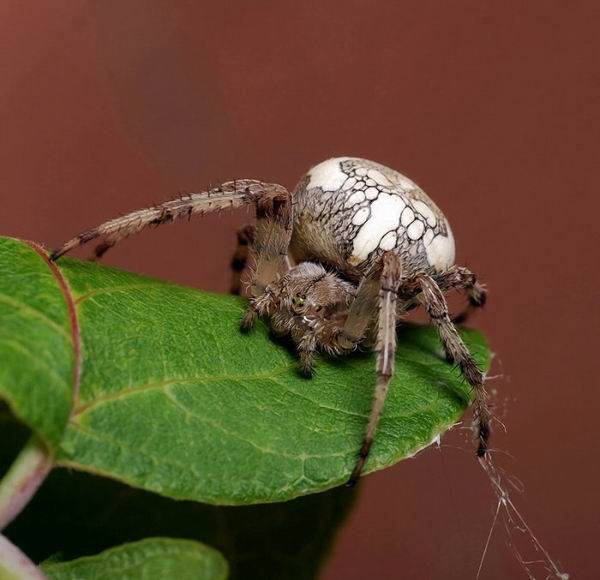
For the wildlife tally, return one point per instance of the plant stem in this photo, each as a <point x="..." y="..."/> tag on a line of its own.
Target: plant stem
<point x="14" y="565"/>
<point x="24" y="477"/>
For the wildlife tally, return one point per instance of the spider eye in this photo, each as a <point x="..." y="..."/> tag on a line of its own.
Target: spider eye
<point x="298" y="301"/>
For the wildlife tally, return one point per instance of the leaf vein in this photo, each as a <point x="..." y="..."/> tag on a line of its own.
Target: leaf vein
<point x="133" y="390"/>
<point x="37" y="361"/>
<point x="35" y="313"/>
<point x="234" y="435"/>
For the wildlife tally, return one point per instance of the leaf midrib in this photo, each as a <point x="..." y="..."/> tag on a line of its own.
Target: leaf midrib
<point x="75" y="335"/>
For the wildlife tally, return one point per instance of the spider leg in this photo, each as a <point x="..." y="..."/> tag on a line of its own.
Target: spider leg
<point x="245" y="236"/>
<point x="306" y="350"/>
<point x="269" y="252"/>
<point x="435" y="303"/>
<point x="227" y="195"/>
<point x="477" y="296"/>
<point x="461" y="278"/>
<point x="272" y="235"/>
<point x="262" y="305"/>
<point x="360" y="313"/>
<point x="389" y="282"/>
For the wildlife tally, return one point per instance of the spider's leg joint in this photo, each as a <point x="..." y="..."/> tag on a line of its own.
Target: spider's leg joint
<point x="478" y="299"/>
<point x="358" y="468"/>
<point x="346" y="341"/>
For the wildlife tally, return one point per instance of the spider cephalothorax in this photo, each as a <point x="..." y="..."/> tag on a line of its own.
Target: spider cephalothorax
<point x="368" y="245"/>
<point x="308" y="303"/>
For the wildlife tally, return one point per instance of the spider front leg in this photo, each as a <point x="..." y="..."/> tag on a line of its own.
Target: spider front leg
<point x="435" y="304"/>
<point x="269" y="251"/>
<point x="461" y="278"/>
<point x="306" y="348"/>
<point x="360" y="313"/>
<point x="389" y="283"/>
<point x="231" y="194"/>
<point x="272" y="232"/>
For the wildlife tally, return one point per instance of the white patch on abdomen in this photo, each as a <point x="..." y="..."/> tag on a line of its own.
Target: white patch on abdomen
<point x="426" y="212"/>
<point x="408" y="216"/>
<point x="327" y="175"/>
<point x="378" y="177"/>
<point x="404" y="182"/>
<point x="372" y="192"/>
<point x="388" y="242"/>
<point x="385" y="216"/>
<point x="360" y="217"/>
<point x="441" y="251"/>
<point x="356" y="197"/>
<point x="415" y="230"/>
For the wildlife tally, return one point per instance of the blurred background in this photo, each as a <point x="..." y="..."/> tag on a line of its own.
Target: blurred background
<point x="493" y="108"/>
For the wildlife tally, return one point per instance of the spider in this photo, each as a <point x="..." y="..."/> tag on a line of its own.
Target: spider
<point x="336" y="264"/>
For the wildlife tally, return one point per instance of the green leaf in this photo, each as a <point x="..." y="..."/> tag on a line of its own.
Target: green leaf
<point x="174" y="399"/>
<point x="150" y="558"/>
<point x="36" y="348"/>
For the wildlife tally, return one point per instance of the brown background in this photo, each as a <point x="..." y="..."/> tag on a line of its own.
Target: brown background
<point x="492" y="107"/>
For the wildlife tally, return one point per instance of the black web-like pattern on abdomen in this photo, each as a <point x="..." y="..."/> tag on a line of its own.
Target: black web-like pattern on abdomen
<point x="346" y="210"/>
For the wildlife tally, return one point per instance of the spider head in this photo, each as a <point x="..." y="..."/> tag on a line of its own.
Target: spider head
<point x="310" y="292"/>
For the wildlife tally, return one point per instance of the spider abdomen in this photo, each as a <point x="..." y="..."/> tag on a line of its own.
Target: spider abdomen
<point x="350" y="210"/>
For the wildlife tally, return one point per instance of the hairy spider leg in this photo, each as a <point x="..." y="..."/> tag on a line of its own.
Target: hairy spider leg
<point x="231" y="194"/>
<point x="433" y="299"/>
<point x="269" y="250"/>
<point x="361" y="311"/>
<point x="306" y="349"/>
<point x="271" y="235"/>
<point x="389" y="282"/>
<point x="461" y="278"/>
